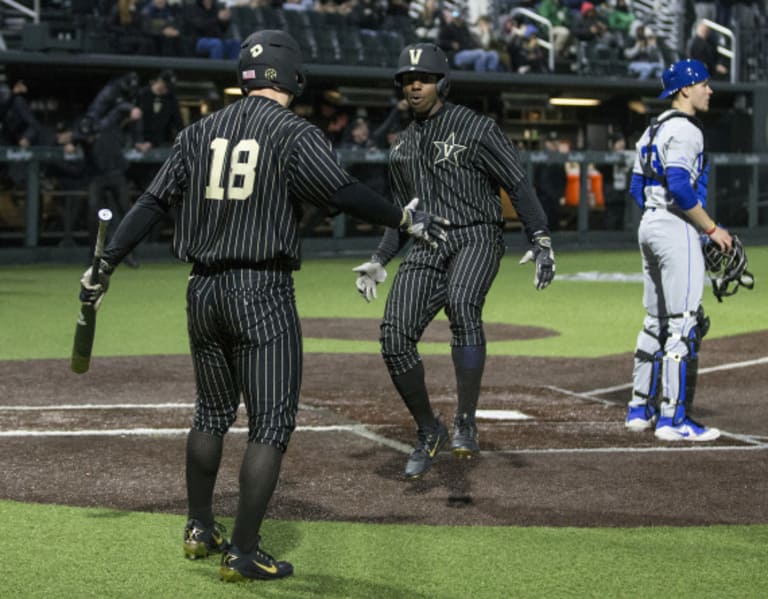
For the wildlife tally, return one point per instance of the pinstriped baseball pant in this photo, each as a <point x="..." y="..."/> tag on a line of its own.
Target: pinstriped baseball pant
<point x="457" y="277"/>
<point x="245" y="339"/>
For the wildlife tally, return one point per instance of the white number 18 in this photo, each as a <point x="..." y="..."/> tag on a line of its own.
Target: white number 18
<point x="242" y="163"/>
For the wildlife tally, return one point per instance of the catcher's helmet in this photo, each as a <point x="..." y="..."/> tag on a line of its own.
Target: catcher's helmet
<point x="424" y="58"/>
<point x="270" y="58"/>
<point x="682" y="74"/>
<point x="727" y="270"/>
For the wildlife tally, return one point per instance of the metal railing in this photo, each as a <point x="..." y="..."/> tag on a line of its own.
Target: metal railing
<point x="33" y="158"/>
<point x="730" y="51"/>
<point x="33" y="13"/>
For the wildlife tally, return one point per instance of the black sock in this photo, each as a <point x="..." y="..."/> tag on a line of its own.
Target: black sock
<point x="203" y="459"/>
<point x="468" y="362"/>
<point x="258" y="478"/>
<point x="413" y="390"/>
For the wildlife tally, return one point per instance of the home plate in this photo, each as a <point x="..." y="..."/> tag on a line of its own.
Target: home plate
<point x="501" y="415"/>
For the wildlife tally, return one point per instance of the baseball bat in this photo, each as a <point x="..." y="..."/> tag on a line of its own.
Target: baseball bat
<point x="86" y="320"/>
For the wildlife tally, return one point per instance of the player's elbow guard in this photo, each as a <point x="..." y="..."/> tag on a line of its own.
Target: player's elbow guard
<point x="679" y="183"/>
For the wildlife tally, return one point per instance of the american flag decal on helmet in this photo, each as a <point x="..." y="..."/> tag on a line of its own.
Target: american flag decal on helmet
<point x="249" y="74"/>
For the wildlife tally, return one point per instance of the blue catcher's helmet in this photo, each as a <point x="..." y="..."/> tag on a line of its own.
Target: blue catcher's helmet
<point x="682" y="74"/>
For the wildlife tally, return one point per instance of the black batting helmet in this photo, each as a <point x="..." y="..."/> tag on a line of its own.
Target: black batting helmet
<point x="424" y="58"/>
<point x="270" y="58"/>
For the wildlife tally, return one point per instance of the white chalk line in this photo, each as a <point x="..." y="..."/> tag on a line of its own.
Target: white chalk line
<point x="755" y="442"/>
<point x="730" y="366"/>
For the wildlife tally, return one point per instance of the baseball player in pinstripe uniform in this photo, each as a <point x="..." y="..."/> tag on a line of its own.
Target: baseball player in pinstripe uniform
<point x="238" y="179"/>
<point x="669" y="181"/>
<point x="455" y="161"/>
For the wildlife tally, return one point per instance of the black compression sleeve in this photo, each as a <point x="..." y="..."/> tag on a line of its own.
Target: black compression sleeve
<point x="528" y="209"/>
<point x="362" y="202"/>
<point x="145" y="213"/>
<point x="389" y="246"/>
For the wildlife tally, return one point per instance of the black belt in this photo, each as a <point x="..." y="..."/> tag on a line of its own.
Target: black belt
<point x="207" y="270"/>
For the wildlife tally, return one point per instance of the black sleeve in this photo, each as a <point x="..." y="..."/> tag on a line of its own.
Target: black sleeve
<point x="145" y="214"/>
<point x="529" y="209"/>
<point x="391" y="243"/>
<point x="362" y="202"/>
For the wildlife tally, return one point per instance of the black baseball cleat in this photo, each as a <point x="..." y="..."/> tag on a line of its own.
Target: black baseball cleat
<point x="202" y="541"/>
<point x="237" y="566"/>
<point x="464" y="443"/>
<point x="427" y="446"/>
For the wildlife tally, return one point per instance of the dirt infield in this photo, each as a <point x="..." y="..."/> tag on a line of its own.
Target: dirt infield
<point x="114" y="438"/>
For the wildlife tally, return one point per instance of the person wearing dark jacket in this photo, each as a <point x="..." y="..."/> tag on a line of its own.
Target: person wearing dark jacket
<point x="208" y="23"/>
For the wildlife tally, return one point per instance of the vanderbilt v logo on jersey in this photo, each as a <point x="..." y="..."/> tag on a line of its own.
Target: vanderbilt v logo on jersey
<point x="448" y="150"/>
<point x="415" y="55"/>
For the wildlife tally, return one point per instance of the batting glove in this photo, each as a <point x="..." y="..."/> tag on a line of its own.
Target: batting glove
<point x="544" y="257"/>
<point x="423" y="225"/>
<point x="93" y="292"/>
<point x="370" y="274"/>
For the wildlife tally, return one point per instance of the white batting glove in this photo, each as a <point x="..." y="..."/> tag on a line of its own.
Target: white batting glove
<point x="93" y="293"/>
<point x="370" y="274"/>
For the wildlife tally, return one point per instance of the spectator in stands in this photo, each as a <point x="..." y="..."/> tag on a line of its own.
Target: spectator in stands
<point x="645" y="58"/>
<point x="620" y="20"/>
<point x="616" y="181"/>
<point x="124" y="28"/>
<point x="18" y="127"/>
<point x="703" y="46"/>
<point x="332" y="118"/>
<point x="116" y="102"/>
<point x="358" y="137"/>
<point x="208" y="22"/>
<point x="112" y="122"/>
<point x="162" y="26"/>
<point x="529" y="56"/>
<point x="368" y="15"/>
<point x="160" y="114"/>
<point x="462" y="48"/>
<point x="560" y="17"/>
<point x="486" y="38"/>
<point x="549" y="180"/>
<point x="425" y="19"/>
<point x="591" y="27"/>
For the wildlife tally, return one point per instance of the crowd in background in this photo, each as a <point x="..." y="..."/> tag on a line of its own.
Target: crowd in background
<point x="495" y="41"/>
<point x="128" y="114"/>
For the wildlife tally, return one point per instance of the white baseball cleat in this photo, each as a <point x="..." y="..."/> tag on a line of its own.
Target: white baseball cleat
<point x="687" y="430"/>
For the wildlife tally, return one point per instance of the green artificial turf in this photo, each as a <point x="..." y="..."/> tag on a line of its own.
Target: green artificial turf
<point x="74" y="552"/>
<point x="143" y="313"/>
<point x="52" y="551"/>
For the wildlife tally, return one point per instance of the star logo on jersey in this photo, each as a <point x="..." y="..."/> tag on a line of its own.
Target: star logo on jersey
<point x="448" y="151"/>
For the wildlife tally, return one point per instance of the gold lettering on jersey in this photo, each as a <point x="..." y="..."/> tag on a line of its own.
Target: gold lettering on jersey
<point x="256" y="50"/>
<point x="415" y="55"/>
<point x="448" y="150"/>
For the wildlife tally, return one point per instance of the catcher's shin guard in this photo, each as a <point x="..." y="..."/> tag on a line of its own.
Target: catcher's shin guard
<point x="693" y="341"/>
<point x="648" y="368"/>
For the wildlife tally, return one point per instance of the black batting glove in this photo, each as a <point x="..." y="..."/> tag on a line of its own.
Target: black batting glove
<point x="542" y="254"/>
<point x="423" y="226"/>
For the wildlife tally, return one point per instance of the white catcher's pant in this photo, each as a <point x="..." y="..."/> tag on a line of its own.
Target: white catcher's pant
<point x="673" y="285"/>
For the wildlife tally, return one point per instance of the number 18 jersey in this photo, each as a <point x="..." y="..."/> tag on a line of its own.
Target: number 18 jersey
<point x="237" y="180"/>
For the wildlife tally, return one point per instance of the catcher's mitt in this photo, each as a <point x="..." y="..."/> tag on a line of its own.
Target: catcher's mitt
<point x="727" y="270"/>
